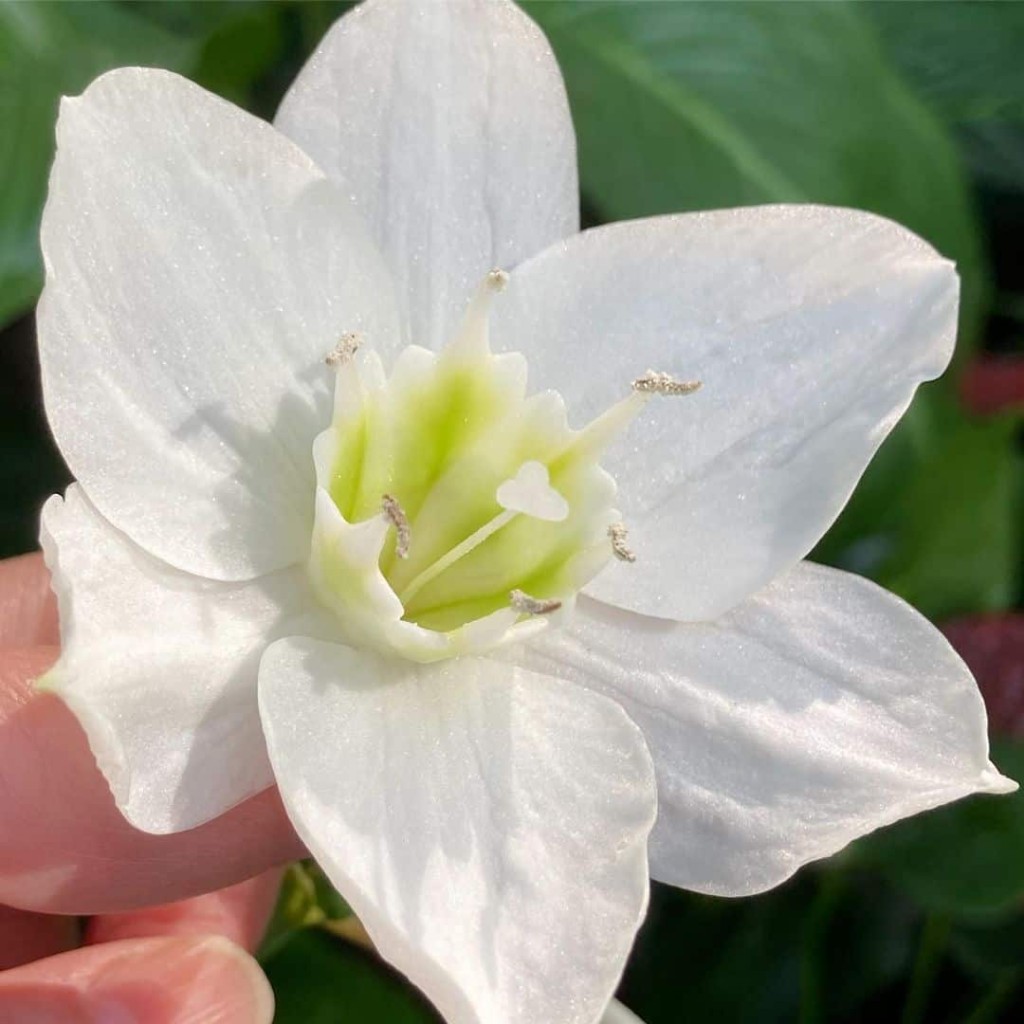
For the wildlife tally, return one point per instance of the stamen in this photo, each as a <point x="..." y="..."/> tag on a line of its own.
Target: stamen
<point x="348" y="345"/>
<point x="472" y="335"/>
<point x="522" y="602"/>
<point x="655" y="383"/>
<point x="617" y="533"/>
<point x="393" y="513"/>
<point x="599" y="432"/>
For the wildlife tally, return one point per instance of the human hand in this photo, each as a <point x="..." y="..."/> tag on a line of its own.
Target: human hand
<point x="182" y="963"/>
<point x="65" y="849"/>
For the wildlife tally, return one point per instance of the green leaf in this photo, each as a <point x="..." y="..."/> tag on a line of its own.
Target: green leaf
<point x="692" y="106"/>
<point x="964" y="60"/>
<point x="692" y="949"/>
<point x="987" y="948"/>
<point x="963" y="859"/>
<point x="31" y="468"/>
<point x="47" y="50"/>
<point x="937" y="516"/>
<point x="812" y="950"/>
<point x="318" y="979"/>
<point x="856" y="941"/>
<point x="239" y="50"/>
<point x="864" y="537"/>
<point x="957" y="522"/>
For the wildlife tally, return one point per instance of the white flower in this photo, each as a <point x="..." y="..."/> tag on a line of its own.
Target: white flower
<point x="243" y="570"/>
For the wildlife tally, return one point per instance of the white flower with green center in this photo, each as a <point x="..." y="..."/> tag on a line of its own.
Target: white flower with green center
<point x="487" y="633"/>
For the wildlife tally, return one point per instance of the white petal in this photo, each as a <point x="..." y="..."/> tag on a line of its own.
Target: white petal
<point x="810" y="328"/>
<point x="449" y="127"/>
<point x="495" y="856"/>
<point x="818" y="710"/>
<point x="199" y="268"/>
<point x="160" y="668"/>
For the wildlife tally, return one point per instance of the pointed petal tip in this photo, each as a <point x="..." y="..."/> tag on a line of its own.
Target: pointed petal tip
<point x="48" y="682"/>
<point x="77" y="102"/>
<point x="993" y="781"/>
<point x="67" y="104"/>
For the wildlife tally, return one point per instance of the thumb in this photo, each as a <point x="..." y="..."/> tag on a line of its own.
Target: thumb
<point x="140" y="981"/>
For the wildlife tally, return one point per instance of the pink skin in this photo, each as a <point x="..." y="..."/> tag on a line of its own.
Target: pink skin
<point x="65" y="849"/>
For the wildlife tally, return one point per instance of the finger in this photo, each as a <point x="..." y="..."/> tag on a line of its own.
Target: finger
<point x="64" y="847"/>
<point x="25" y="937"/>
<point x="158" y="981"/>
<point x="239" y="913"/>
<point x="28" y="609"/>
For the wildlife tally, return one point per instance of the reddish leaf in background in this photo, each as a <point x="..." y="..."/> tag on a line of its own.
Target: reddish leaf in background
<point x="993" y="647"/>
<point x="993" y="384"/>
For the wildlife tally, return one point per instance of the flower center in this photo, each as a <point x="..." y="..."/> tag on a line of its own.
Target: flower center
<point x="454" y="512"/>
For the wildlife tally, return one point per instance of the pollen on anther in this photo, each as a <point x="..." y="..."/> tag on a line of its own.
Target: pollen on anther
<point x="522" y="602"/>
<point x="655" y="383"/>
<point x="393" y="513"/>
<point x="617" y="534"/>
<point x="348" y="345"/>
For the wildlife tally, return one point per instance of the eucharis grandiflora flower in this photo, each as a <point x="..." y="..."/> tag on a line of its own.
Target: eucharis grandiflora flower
<point x="397" y="491"/>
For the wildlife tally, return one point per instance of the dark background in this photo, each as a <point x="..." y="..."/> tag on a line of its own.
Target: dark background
<point x="913" y="110"/>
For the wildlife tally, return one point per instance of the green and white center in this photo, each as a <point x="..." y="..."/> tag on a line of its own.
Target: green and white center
<point x="455" y="513"/>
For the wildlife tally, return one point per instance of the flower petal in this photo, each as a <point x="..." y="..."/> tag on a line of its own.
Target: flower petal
<point x="160" y="668"/>
<point x="810" y="328"/>
<point x="495" y="856"/>
<point x="199" y="268"/>
<point x="449" y="127"/>
<point x="818" y="710"/>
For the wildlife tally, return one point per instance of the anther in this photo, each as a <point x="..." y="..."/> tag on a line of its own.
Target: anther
<point x="522" y="602"/>
<point x="617" y="533"/>
<point x="348" y="345"/>
<point x="498" y="280"/>
<point x="393" y="513"/>
<point x="655" y="383"/>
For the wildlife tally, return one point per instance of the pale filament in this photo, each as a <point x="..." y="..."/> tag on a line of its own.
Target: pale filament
<point x="474" y="540"/>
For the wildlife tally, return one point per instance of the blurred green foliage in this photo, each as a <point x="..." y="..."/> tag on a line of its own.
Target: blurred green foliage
<point x="47" y="50"/>
<point x="965" y="860"/>
<point x="735" y="103"/>
<point x="914" y="111"/>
